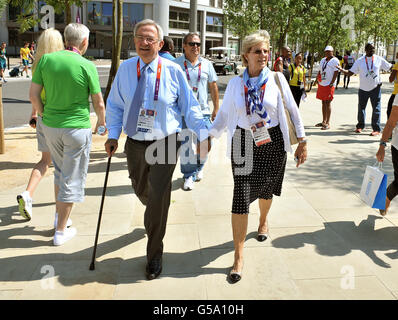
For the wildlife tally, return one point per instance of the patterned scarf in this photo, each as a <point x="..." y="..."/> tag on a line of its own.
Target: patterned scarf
<point x="254" y="93"/>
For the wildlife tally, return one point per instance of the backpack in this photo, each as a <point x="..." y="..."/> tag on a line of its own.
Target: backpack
<point x="14" y="72"/>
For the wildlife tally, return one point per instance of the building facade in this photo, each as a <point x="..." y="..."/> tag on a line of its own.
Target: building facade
<point x="172" y="15"/>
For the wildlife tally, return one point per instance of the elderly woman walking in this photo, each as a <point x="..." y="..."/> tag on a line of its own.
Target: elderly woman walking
<point x="258" y="139"/>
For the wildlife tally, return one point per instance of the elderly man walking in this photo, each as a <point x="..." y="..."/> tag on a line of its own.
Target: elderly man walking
<point x="369" y="67"/>
<point x="68" y="80"/>
<point x="148" y="98"/>
<point x="201" y="75"/>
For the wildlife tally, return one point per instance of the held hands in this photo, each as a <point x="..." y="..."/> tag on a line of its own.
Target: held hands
<point x="380" y="154"/>
<point x="203" y="148"/>
<point x="301" y="154"/>
<point x="213" y="115"/>
<point x="111" y="147"/>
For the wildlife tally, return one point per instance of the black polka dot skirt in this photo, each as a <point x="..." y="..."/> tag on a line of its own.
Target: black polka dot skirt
<point x="257" y="171"/>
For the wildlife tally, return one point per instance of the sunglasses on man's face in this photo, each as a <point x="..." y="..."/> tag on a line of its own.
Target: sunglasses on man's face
<point x="192" y="44"/>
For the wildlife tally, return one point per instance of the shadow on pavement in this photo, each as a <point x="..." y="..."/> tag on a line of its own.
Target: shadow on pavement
<point x="350" y="237"/>
<point x="362" y="237"/>
<point x="22" y="268"/>
<point x="342" y="173"/>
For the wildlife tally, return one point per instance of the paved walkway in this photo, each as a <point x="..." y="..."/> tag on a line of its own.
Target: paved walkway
<point x="325" y="243"/>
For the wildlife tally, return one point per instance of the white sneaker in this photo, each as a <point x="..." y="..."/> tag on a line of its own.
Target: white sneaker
<point x="199" y="175"/>
<point x="25" y="205"/>
<point x="188" y="183"/>
<point x="62" y="237"/>
<point x="68" y="223"/>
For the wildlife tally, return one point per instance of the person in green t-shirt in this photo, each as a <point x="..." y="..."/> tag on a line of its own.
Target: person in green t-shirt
<point x="69" y="80"/>
<point x="49" y="41"/>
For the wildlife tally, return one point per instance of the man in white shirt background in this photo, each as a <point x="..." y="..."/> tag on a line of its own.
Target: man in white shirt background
<point x="326" y="79"/>
<point x="368" y="67"/>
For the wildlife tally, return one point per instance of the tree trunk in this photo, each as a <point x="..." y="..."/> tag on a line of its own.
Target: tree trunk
<point x="68" y="14"/>
<point x="117" y="36"/>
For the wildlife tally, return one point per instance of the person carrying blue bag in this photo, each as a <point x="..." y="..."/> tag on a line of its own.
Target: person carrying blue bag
<point x="391" y="124"/>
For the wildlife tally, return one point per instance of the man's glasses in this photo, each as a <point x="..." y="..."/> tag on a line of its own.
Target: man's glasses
<point x="149" y="40"/>
<point x="192" y="44"/>
<point x="259" y="51"/>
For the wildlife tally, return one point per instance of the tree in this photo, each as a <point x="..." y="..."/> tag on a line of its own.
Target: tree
<point x="27" y="18"/>
<point x="117" y="37"/>
<point x="3" y="4"/>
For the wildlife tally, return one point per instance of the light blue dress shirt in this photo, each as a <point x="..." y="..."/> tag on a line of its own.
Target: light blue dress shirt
<point x="176" y="99"/>
<point x="208" y="74"/>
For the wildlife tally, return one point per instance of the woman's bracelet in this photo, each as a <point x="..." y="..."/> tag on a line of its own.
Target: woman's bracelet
<point x="303" y="141"/>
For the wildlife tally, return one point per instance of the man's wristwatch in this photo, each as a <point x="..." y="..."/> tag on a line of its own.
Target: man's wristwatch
<point x="382" y="143"/>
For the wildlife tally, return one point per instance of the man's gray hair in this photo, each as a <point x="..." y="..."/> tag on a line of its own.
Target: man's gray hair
<point x="188" y="35"/>
<point x="75" y="33"/>
<point x="152" y="23"/>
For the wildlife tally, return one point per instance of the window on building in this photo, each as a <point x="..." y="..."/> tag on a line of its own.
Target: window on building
<point x="106" y="17"/>
<point x="92" y="40"/>
<point x="177" y="44"/>
<point x="13" y="13"/>
<point x="178" y="19"/>
<point x="214" y="24"/>
<point x="212" y="3"/>
<point x="220" y="3"/>
<point x="132" y="13"/>
<point x="99" y="13"/>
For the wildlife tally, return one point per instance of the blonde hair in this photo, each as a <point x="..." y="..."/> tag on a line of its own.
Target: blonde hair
<point x="253" y="39"/>
<point x="49" y="41"/>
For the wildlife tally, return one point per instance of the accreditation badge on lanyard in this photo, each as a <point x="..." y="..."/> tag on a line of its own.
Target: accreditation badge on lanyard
<point x="259" y="130"/>
<point x="146" y="117"/>
<point x="324" y="70"/>
<point x="195" y="88"/>
<point x="370" y="72"/>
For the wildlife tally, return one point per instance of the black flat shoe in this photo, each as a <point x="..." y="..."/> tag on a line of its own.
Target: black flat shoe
<point x="235" y="276"/>
<point x="262" y="237"/>
<point x="153" y="269"/>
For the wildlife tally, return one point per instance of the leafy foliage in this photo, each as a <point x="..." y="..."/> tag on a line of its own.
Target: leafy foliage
<point x="315" y="23"/>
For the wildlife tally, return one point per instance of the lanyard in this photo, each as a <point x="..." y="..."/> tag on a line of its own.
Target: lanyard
<point x="158" y="72"/>
<point x="325" y="65"/>
<point x="186" y="71"/>
<point x="264" y="85"/>
<point x="366" y="60"/>
<point x="73" y="49"/>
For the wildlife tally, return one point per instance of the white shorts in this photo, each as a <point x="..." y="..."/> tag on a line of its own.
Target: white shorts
<point x="70" y="153"/>
<point x="41" y="139"/>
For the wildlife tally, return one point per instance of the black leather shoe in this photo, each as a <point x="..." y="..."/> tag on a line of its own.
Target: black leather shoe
<point x="153" y="268"/>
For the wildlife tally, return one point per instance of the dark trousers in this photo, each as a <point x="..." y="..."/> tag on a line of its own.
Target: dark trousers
<point x="375" y="97"/>
<point x="392" y="189"/>
<point x="348" y="80"/>
<point x="151" y="174"/>
<point x="338" y="79"/>
<point x="389" y="106"/>
<point x="297" y="92"/>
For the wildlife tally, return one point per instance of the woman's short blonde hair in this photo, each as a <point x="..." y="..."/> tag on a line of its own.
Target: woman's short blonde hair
<point x="252" y="40"/>
<point x="49" y="41"/>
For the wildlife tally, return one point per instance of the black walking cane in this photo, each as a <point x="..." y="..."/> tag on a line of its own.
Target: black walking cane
<point x="92" y="265"/>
